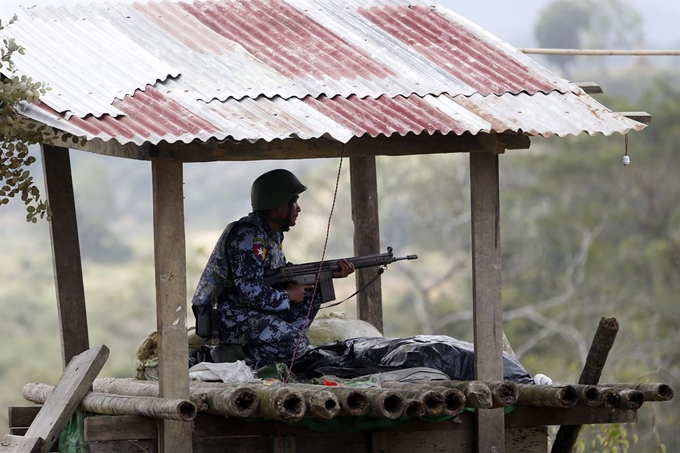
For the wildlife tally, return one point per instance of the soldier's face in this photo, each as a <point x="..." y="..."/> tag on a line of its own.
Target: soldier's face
<point x="294" y="212"/>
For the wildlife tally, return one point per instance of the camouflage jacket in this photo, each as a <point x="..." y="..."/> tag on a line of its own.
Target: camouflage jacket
<point x="235" y="270"/>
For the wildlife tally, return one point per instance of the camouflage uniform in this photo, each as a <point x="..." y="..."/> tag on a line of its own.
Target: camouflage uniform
<point x="261" y="319"/>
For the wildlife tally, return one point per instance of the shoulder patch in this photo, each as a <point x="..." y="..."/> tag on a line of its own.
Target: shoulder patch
<point x="259" y="249"/>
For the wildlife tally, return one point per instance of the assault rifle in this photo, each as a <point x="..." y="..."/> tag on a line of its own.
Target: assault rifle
<point x="309" y="273"/>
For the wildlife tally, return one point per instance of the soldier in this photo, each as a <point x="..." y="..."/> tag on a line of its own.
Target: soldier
<point x="255" y="321"/>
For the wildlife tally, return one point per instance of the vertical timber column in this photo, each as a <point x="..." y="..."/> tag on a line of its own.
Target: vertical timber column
<point x="364" y="187"/>
<point x="68" y="271"/>
<point x="171" y="303"/>
<point x="486" y="293"/>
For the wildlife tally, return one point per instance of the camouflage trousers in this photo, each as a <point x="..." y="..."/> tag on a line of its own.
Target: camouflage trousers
<point x="269" y="337"/>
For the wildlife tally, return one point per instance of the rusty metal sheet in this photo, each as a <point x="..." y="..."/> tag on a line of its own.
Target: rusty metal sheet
<point x="274" y="69"/>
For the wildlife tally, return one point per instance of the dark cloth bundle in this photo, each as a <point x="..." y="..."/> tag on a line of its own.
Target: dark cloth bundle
<point x="363" y="356"/>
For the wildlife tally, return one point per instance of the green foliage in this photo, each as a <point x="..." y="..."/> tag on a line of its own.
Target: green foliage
<point x="611" y="438"/>
<point x="16" y="134"/>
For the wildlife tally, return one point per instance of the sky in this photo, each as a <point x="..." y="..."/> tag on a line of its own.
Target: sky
<point x="511" y="20"/>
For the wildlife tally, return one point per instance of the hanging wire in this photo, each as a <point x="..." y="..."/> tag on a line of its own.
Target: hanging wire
<point x="318" y="275"/>
<point x="626" y="159"/>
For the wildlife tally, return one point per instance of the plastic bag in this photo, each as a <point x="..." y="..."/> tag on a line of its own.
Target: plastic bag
<point x="362" y="356"/>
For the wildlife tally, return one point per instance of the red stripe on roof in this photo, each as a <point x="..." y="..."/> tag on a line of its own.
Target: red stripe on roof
<point x="147" y="112"/>
<point x="455" y="49"/>
<point x="385" y="115"/>
<point x="286" y="39"/>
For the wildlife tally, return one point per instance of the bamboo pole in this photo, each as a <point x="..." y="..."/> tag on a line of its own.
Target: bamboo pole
<point x="229" y="400"/>
<point x="110" y="404"/>
<point x="454" y="398"/>
<point x="353" y="403"/>
<point x="610" y="398"/>
<point x="592" y="370"/>
<point x="630" y="399"/>
<point x="546" y="395"/>
<point x="414" y="408"/>
<point x="321" y="404"/>
<point x="602" y="52"/>
<point x="433" y="403"/>
<point x="588" y="395"/>
<point x="240" y="401"/>
<point x="477" y="394"/>
<point x="385" y="403"/>
<point x="503" y="393"/>
<point x="651" y="391"/>
<point x="280" y="403"/>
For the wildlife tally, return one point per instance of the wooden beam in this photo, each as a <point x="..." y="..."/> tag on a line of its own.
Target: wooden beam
<point x="171" y="301"/>
<point x="364" y="193"/>
<point x="294" y="148"/>
<point x="640" y="117"/>
<point x="323" y="147"/>
<point x="486" y="292"/>
<point x="590" y="87"/>
<point x="69" y="390"/>
<point x="577" y="415"/>
<point x="120" y="427"/>
<point x="68" y="272"/>
<point x="21" y="444"/>
<point x="109" y="148"/>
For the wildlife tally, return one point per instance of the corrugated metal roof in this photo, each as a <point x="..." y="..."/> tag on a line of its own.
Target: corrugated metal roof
<point x="273" y="69"/>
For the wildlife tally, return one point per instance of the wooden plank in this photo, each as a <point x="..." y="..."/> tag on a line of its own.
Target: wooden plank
<point x="640" y="117"/>
<point x="379" y="442"/>
<point x="22" y="416"/>
<point x="282" y="444"/>
<point x="68" y="392"/>
<point x="68" y="273"/>
<point x="486" y="291"/>
<point x="171" y="300"/>
<point x="590" y="87"/>
<point x="335" y="442"/>
<point x="323" y="147"/>
<point x="120" y="427"/>
<point x="22" y="432"/>
<point x="364" y="192"/>
<point x="526" y="440"/>
<point x="124" y="446"/>
<point x="577" y="415"/>
<point x="233" y="444"/>
<point x="21" y="444"/>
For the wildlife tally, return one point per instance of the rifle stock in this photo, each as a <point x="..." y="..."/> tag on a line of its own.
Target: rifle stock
<point x="322" y="271"/>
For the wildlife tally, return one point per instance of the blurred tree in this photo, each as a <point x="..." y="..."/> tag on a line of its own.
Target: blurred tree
<point x="614" y="24"/>
<point x="100" y="240"/>
<point x="582" y="238"/>
<point x="560" y="26"/>
<point x="595" y="24"/>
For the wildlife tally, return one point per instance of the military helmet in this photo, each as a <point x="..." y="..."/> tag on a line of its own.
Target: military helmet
<point x="274" y="189"/>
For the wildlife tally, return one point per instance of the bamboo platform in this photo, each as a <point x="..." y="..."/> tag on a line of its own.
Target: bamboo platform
<point x="353" y="425"/>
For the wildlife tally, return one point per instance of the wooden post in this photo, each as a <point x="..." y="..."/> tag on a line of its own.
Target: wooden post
<point x="364" y="187"/>
<point x="68" y="272"/>
<point x="486" y="293"/>
<point x="171" y="303"/>
<point x="67" y="394"/>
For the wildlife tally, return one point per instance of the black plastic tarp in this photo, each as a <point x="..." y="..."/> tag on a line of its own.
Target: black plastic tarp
<point x="363" y="356"/>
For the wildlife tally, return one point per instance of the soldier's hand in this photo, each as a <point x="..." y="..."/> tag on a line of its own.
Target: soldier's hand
<point x="346" y="268"/>
<point x="296" y="293"/>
